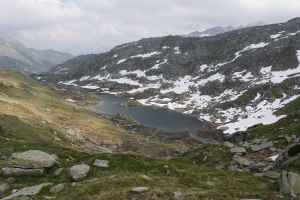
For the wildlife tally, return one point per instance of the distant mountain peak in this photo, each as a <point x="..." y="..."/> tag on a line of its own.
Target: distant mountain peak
<point x="220" y="29"/>
<point x="13" y="54"/>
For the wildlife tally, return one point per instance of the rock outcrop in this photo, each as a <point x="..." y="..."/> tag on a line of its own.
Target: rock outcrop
<point x="289" y="183"/>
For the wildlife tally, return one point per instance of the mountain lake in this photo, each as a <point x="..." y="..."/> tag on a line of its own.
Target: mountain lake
<point x="162" y="118"/>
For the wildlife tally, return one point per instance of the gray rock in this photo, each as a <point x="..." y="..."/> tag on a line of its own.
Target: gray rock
<point x="289" y="183"/>
<point x="288" y="138"/>
<point x="228" y="144"/>
<point x="32" y="159"/>
<point x="27" y="191"/>
<point x="101" y="163"/>
<point x="139" y="189"/>
<point x="273" y="149"/>
<point x="258" y="140"/>
<point x="4" y="188"/>
<point x="210" y="183"/>
<point x="262" y="146"/>
<point x="57" y="188"/>
<point x="49" y="197"/>
<point x="268" y="168"/>
<point x="233" y="168"/>
<point x="241" y="161"/>
<point x="79" y="172"/>
<point x="58" y="171"/>
<point x="221" y="166"/>
<point x="11" y="172"/>
<point x="272" y="174"/>
<point x="238" y="150"/>
<point x="177" y="194"/>
<point x="57" y="139"/>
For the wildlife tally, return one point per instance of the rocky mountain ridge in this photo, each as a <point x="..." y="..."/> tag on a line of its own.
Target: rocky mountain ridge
<point x="219" y="29"/>
<point x="15" y="55"/>
<point x="236" y="79"/>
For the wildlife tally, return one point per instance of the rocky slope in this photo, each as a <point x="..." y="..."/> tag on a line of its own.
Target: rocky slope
<point x="236" y="79"/>
<point x="15" y="55"/>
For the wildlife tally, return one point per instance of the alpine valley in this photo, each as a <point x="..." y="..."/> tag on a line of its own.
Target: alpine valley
<point x="235" y="79"/>
<point x="243" y="87"/>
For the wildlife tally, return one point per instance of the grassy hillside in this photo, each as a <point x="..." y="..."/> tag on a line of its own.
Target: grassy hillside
<point x="33" y="112"/>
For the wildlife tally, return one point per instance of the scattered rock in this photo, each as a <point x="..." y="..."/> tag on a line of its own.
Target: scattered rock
<point x="228" y="144"/>
<point x="268" y="168"/>
<point x="241" y="161"/>
<point x="32" y="159"/>
<point x="233" y="168"/>
<point x="79" y="172"/>
<point x="3" y="188"/>
<point x="262" y="146"/>
<point x="57" y="188"/>
<point x="241" y="150"/>
<point x="58" y="171"/>
<point x="289" y="183"/>
<point x="220" y="166"/>
<point x="27" y="191"/>
<point x="177" y="194"/>
<point x="49" y="198"/>
<point x="139" y="189"/>
<point x="289" y="157"/>
<point x="272" y="174"/>
<point x="210" y="183"/>
<point x="101" y="163"/>
<point x="71" y="132"/>
<point x="145" y="177"/>
<point x="11" y="172"/>
<point x="57" y="139"/>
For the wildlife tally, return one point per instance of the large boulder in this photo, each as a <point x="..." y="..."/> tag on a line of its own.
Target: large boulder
<point x="32" y="159"/>
<point x="79" y="172"/>
<point x="289" y="183"/>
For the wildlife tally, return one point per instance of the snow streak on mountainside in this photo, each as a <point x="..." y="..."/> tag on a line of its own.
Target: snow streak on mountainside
<point x="237" y="79"/>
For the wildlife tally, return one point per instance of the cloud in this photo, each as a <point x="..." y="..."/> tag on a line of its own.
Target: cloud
<point x="79" y="26"/>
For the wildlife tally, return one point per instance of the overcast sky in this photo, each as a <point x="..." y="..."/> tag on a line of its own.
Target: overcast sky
<point x="82" y="26"/>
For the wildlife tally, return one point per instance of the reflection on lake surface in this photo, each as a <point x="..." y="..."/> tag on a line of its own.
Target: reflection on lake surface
<point x="162" y="118"/>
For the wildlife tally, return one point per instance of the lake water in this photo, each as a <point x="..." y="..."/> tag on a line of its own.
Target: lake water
<point x="162" y="118"/>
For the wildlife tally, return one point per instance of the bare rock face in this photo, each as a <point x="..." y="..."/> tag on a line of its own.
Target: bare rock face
<point x="79" y="172"/>
<point x="32" y="159"/>
<point x="289" y="183"/>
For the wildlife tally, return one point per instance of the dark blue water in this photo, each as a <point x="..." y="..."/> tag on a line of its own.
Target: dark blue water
<point x="162" y="118"/>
